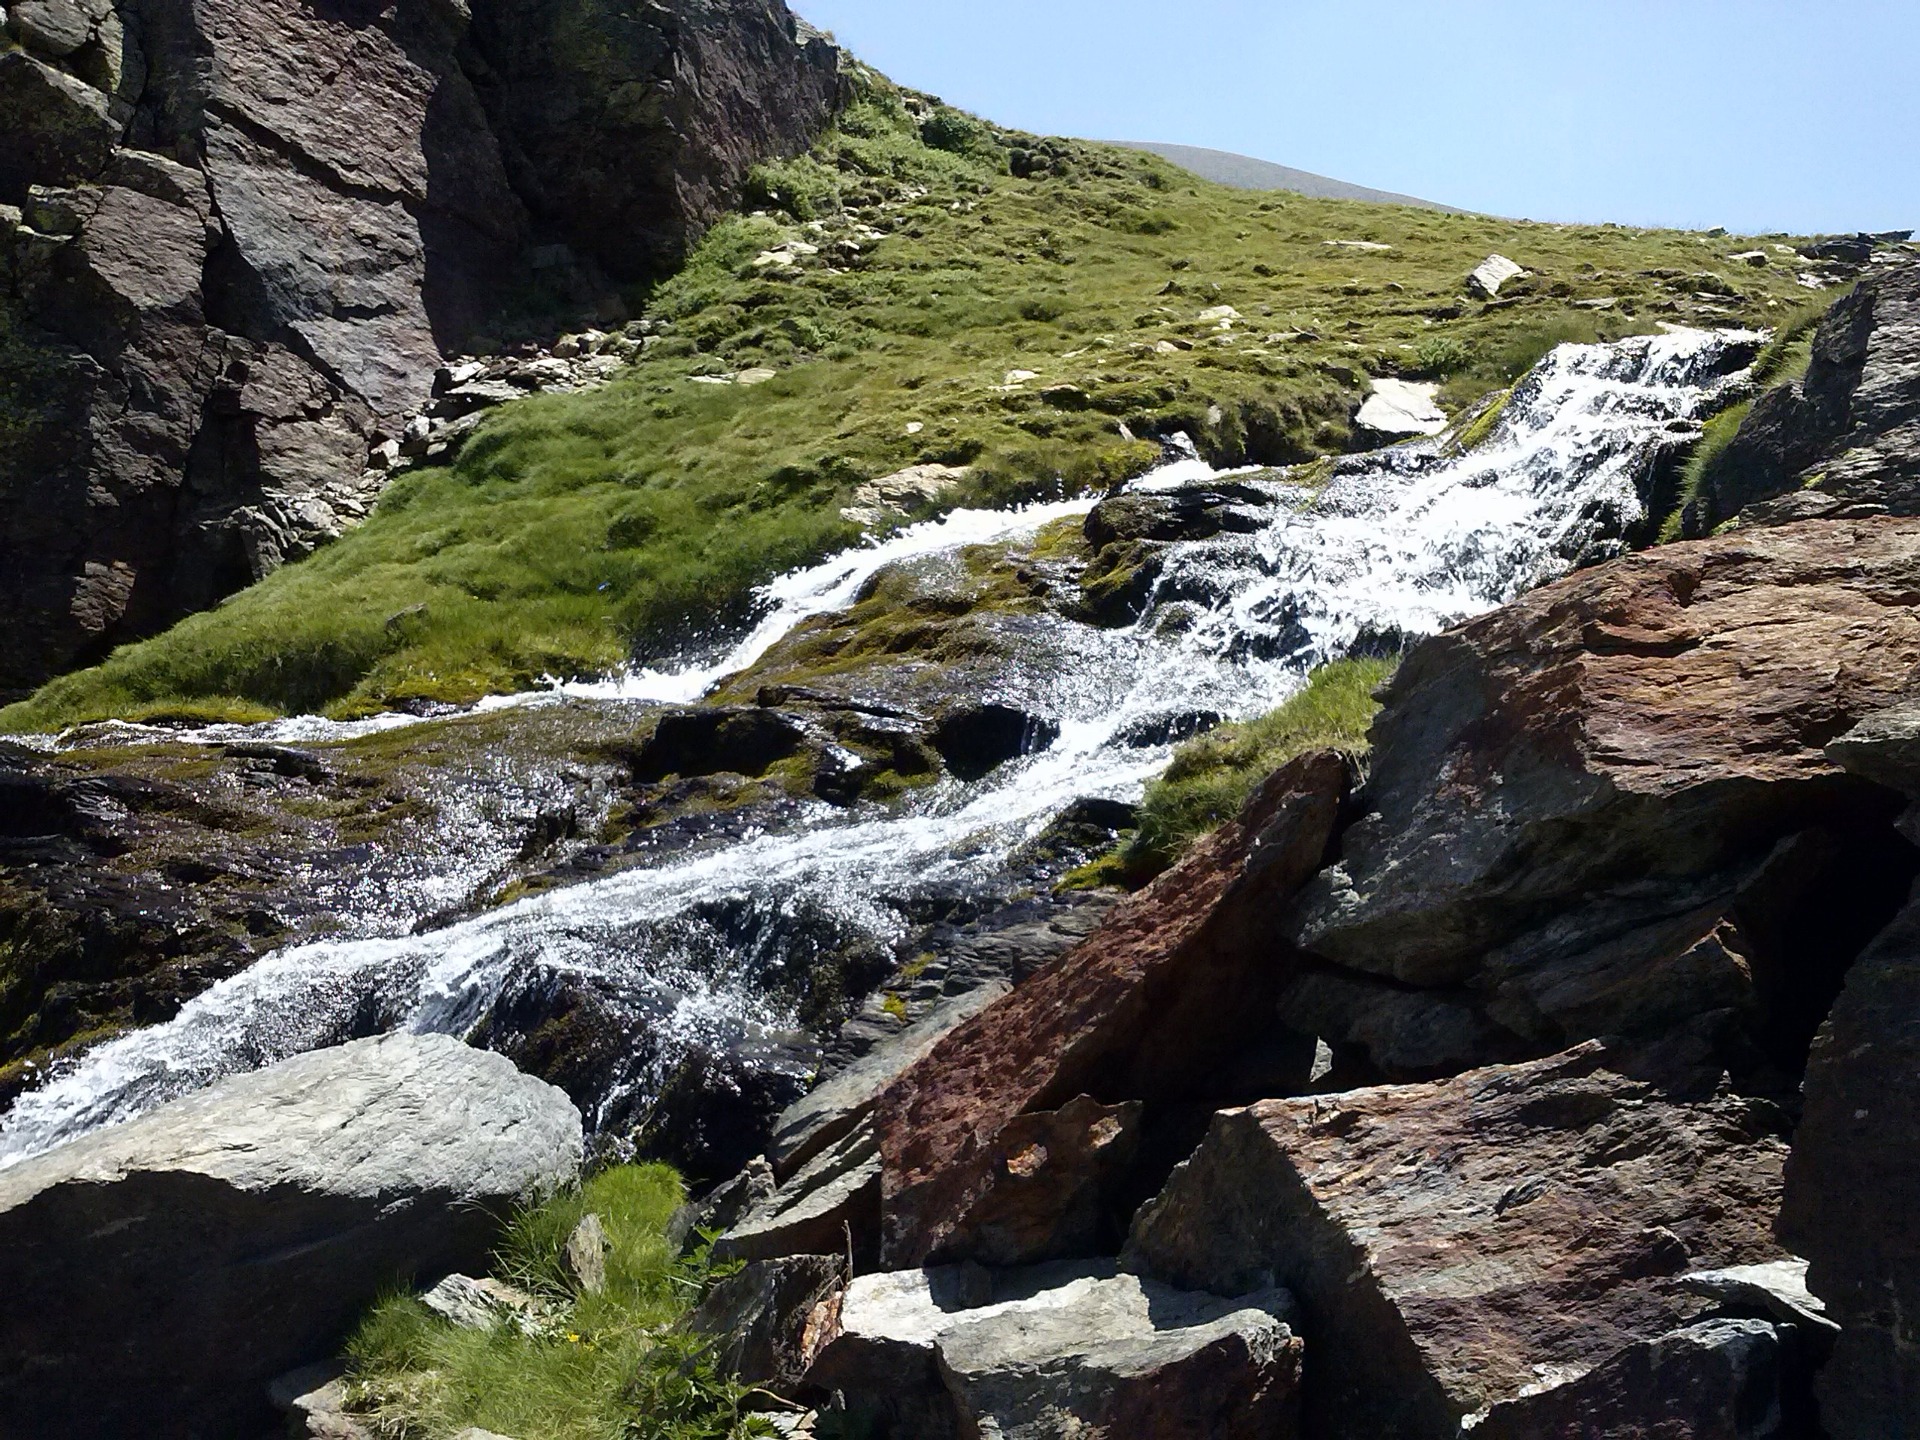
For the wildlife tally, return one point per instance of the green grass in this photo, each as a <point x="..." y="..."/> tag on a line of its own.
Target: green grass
<point x="1210" y="778"/>
<point x="575" y="532"/>
<point x="607" y="1366"/>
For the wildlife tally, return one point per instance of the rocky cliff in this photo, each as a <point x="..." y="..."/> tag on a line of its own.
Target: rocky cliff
<point x="237" y="240"/>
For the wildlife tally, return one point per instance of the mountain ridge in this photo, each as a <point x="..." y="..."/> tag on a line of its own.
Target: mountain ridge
<point x="1247" y="172"/>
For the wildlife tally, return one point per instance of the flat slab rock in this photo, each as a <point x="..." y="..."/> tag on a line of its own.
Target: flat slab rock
<point x="1402" y="408"/>
<point x="1061" y="1350"/>
<point x="1458" y="1246"/>
<point x="158" y="1275"/>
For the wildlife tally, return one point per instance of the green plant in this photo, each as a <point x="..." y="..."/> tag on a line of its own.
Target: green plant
<point x="1441" y="356"/>
<point x="607" y="1366"/>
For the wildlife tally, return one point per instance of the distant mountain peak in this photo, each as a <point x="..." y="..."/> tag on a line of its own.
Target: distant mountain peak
<point x="1243" y="172"/>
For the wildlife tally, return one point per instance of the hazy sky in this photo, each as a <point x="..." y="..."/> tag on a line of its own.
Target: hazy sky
<point x="1755" y="114"/>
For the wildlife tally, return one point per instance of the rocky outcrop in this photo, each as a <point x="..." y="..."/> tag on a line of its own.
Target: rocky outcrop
<point x="1606" y="810"/>
<point x="239" y="240"/>
<point x="1466" y="1245"/>
<point x="196" y="1253"/>
<point x="1057" y="1350"/>
<point x="1151" y="1008"/>
<point x="771" y="1319"/>
<point x="1843" y="441"/>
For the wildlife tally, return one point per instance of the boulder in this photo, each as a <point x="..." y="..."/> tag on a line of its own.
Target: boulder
<point x="975" y="740"/>
<point x="767" y="1321"/>
<point x="1491" y="274"/>
<point x="1717" y="1380"/>
<point x="1454" y="1246"/>
<point x="830" y="1206"/>
<point x="57" y="127"/>
<point x="1193" y="512"/>
<point x="1853" y="1185"/>
<point x="160" y="1273"/>
<point x="1845" y="439"/>
<point x="1174" y="982"/>
<point x="1606" y="808"/>
<point x="1060" y="1350"/>
<point x="1401" y="409"/>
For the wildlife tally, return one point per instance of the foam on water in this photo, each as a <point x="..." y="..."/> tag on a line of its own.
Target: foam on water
<point x="1405" y="542"/>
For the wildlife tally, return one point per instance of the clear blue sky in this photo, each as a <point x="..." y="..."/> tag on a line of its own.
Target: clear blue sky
<point x="1759" y="115"/>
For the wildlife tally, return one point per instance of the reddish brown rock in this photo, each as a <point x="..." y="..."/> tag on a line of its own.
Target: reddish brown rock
<point x="1577" y="803"/>
<point x="1455" y="1245"/>
<point x="1150" y="1007"/>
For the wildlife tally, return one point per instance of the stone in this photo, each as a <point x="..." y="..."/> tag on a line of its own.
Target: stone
<point x="1778" y="1287"/>
<point x="55" y="28"/>
<point x="260" y="1218"/>
<point x="1853" y="1182"/>
<point x="755" y="375"/>
<point x="58" y="128"/>
<point x="1174" y="981"/>
<point x="314" y="1400"/>
<point x="486" y="1304"/>
<point x="1717" y="1380"/>
<point x="1193" y="512"/>
<point x="830" y="1206"/>
<point x="975" y="740"/>
<point x="1845" y="439"/>
<point x="876" y="501"/>
<point x="1491" y="275"/>
<point x="1606" y="809"/>
<point x="1402" y="408"/>
<point x="586" y="1255"/>
<point x="1060" y="1350"/>
<point x="1452" y="1244"/>
<point x="764" y="1320"/>
<point x="724" y="1207"/>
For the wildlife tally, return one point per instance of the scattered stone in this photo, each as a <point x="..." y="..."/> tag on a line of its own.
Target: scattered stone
<point x="472" y="1304"/>
<point x="260" y="1218"/>
<point x="879" y="500"/>
<point x="768" y="1321"/>
<point x="1368" y="245"/>
<point x="1061" y="1350"/>
<point x="914" y="427"/>
<point x="587" y="1249"/>
<point x="1174" y="980"/>
<point x="1402" y="408"/>
<point x="1491" y="275"/>
<point x="757" y="375"/>
<point x="1020" y="377"/>
<point x="1758" y="259"/>
<point x="314" y="1400"/>
<point x="1602" y="302"/>
<point x="1456" y="1242"/>
<point x="1222" y="315"/>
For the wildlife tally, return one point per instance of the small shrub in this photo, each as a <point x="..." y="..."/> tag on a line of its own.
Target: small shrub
<point x="1441" y="356"/>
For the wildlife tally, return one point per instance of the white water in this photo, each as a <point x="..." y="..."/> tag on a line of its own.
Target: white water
<point x="1406" y="541"/>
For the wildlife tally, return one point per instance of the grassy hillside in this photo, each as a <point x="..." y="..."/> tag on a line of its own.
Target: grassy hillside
<point x="931" y="256"/>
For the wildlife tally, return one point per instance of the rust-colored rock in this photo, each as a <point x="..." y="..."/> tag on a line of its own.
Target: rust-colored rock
<point x="1152" y="1006"/>
<point x="1577" y="803"/>
<point x="1454" y="1245"/>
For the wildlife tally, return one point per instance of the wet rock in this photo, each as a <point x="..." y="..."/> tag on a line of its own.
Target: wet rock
<point x="1058" y="1350"/>
<point x="1717" y="1380"/>
<point x="1594" y="812"/>
<point x="1452" y="1244"/>
<point x="260" y="1218"/>
<point x="1844" y="440"/>
<point x="764" y="1322"/>
<point x="1175" y="979"/>
<point x="1853" y="1183"/>
<point x="744" y="740"/>
<point x="976" y="740"/>
<point x="1190" y="513"/>
<point x="830" y="1206"/>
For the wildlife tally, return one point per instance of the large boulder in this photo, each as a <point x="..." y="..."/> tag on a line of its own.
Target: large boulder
<point x="158" y="1275"/>
<point x="1059" y="1350"/>
<point x="1606" y="810"/>
<point x="1853" y="1180"/>
<point x="1459" y="1246"/>
<point x="1151" y="1007"/>
<point x="1845" y="440"/>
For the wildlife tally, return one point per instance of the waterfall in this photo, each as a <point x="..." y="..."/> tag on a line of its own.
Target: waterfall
<point x="1404" y="542"/>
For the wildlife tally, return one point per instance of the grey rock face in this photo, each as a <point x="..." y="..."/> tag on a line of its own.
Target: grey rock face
<point x="200" y="374"/>
<point x="159" y="1274"/>
<point x="1843" y="441"/>
<point x="768" y="1320"/>
<point x="1061" y="1350"/>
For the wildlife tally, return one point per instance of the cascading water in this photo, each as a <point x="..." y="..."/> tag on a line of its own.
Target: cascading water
<point x="1403" y="542"/>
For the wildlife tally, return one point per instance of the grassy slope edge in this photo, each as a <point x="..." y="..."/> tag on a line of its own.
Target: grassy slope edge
<point x="577" y="531"/>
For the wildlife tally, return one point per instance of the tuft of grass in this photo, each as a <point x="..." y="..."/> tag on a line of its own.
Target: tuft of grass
<point x="577" y="532"/>
<point x="605" y="1367"/>
<point x="1211" y="777"/>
